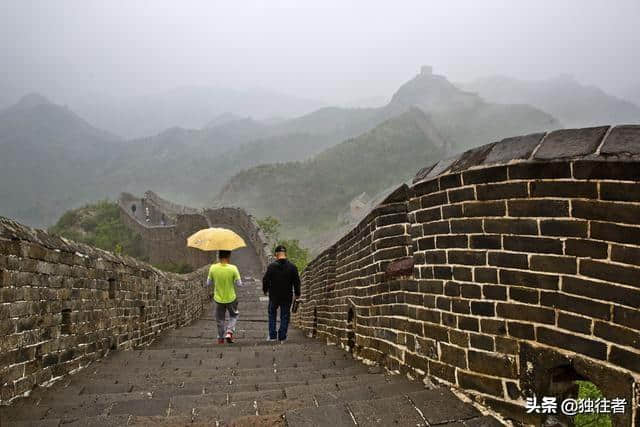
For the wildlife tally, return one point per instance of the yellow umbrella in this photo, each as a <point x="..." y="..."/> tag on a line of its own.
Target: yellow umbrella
<point x="211" y="239"/>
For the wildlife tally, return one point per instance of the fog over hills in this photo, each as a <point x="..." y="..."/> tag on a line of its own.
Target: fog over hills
<point x="187" y="107"/>
<point x="51" y="159"/>
<point x="574" y="104"/>
<point x="191" y="166"/>
<point x="426" y="119"/>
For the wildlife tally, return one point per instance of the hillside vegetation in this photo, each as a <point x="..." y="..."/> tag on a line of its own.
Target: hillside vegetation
<point x="99" y="225"/>
<point x="312" y="193"/>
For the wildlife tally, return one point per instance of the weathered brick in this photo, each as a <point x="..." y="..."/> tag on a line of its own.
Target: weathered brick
<point x="549" y="170"/>
<point x="438" y="227"/>
<point x="564" y="228"/>
<point x="524" y="278"/>
<point x="453" y="241"/>
<point x="510" y="190"/>
<point x="442" y="371"/>
<point x="467" y="257"/>
<point x="525" y="313"/>
<point x="626" y="254"/>
<point x="434" y="199"/>
<point x="441" y="272"/>
<point x="461" y="194"/>
<point x="468" y="323"/>
<point x="532" y="244"/>
<point x="392" y="230"/>
<point x="625" y="358"/>
<point x="588" y="347"/>
<point x="606" y="211"/>
<point x="531" y="296"/>
<point x="586" y="248"/>
<point x="443" y="303"/>
<point x="495" y="292"/>
<point x="601" y="291"/>
<point x="470" y="290"/>
<point x="610" y="272"/>
<point x="428" y="215"/>
<point x="627" y="317"/>
<point x="453" y="355"/>
<point x="452" y="289"/>
<point x="506" y="345"/>
<point x="480" y="383"/>
<point x="615" y="232"/>
<point x="587" y="190"/>
<point x="574" y="323"/>
<point x="538" y="208"/>
<point x="464" y="274"/>
<point x="435" y="257"/>
<point x="511" y="226"/>
<point x="616" y="334"/>
<point x="553" y="264"/>
<point x="485" y="175"/>
<point x="483" y="308"/>
<point x="623" y="171"/>
<point x="481" y="342"/>
<point x="493" y="326"/>
<point x="426" y="243"/>
<point x="576" y="305"/>
<point x="450" y="181"/>
<point x="524" y="331"/>
<point x="620" y="191"/>
<point x="485" y="275"/>
<point x="491" y="364"/>
<point x="466" y="225"/>
<point x="478" y="209"/>
<point x="508" y="259"/>
<point x="484" y="241"/>
<point x="426" y="187"/>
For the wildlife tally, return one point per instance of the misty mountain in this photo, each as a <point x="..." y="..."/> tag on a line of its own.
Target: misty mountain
<point x="312" y="192"/>
<point x="189" y="107"/>
<point x="50" y="160"/>
<point x="574" y="104"/>
<point x="191" y="166"/>
<point x="632" y="94"/>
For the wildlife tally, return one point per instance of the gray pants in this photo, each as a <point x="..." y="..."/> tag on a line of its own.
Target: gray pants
<point x="221" y="310"/>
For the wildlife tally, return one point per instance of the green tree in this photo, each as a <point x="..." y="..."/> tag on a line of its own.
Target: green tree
<point x="270" y="227"/>
<point x="297" y="254"/>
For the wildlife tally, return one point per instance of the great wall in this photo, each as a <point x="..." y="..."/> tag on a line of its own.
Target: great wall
<point x="164" y="227"/>
<point x="510" y="270"/>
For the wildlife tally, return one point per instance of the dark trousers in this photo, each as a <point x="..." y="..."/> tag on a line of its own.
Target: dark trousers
<point x="285" y="307"/>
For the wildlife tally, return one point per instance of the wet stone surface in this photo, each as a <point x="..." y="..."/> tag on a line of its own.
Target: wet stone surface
<point x="186" y="378"/>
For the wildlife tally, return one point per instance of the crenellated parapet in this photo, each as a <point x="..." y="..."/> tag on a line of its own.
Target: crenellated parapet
<point x="510" y="270"/>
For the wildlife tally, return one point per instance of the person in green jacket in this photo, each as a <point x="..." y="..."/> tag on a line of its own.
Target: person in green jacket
<point x="224" y="277"/>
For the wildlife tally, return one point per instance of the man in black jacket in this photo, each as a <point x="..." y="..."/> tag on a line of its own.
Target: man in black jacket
<point x="280" y="281"/>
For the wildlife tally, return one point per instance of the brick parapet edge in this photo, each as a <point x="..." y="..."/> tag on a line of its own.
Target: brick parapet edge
<point x="526" y="272"/>
<point x="64" y="305"/>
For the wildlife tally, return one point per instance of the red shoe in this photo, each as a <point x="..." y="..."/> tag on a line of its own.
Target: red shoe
<point x="229" y="337"/>
<point x="220" y="340"/>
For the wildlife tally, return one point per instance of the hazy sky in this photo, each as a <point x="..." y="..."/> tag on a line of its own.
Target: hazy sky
<point x="329" y="50"/>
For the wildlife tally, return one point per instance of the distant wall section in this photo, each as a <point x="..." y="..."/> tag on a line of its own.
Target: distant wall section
<point x="165" y="226"/>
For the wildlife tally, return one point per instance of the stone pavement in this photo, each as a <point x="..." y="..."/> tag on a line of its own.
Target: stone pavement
<point x="186" y="378"/>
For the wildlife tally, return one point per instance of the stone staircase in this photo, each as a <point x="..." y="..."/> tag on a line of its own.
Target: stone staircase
<point x="186" y="378"/>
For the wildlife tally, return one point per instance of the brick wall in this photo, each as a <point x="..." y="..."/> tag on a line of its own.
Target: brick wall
<point x="509" y="270"/>
<point x="64" y="305"/>
<point x="167" y="244"/>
